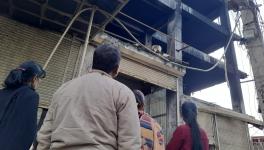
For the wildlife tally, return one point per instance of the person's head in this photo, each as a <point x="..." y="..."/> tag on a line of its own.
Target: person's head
<point x="140" y="98"/>
<point x="107" y="58"/>
<point x="189" y="114"/>
<point x="28" y="73"/>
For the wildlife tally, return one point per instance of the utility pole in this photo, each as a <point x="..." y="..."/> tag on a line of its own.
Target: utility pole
<point x="254" y="44"/>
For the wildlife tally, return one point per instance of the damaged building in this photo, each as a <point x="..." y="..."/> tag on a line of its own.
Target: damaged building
<point x="165" y="46"/>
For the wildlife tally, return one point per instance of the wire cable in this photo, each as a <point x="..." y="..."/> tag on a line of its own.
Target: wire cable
<point x="172" y="62"/>
<point x="148" y="49"/>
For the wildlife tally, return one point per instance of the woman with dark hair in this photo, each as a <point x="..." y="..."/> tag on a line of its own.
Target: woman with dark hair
<point x="189" y="136"/>
<point x="18" y="106"/>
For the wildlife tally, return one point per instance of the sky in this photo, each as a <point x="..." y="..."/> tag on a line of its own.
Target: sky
<point x="220" y="94"/>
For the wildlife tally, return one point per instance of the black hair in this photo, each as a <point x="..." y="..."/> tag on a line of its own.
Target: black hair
<point x="140" y="98"/>
<point x="106" y="58"/>
<point x="189" y="114"/>
<point x="23" y="74"/>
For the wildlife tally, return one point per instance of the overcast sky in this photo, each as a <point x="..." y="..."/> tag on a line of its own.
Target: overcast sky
<point x="220" y="95"/>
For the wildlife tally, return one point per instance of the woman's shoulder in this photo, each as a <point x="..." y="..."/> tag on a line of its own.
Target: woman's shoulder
<point x="27" y="91"/>
<point x="183" y="127"/>
<point x="203" y="133"/>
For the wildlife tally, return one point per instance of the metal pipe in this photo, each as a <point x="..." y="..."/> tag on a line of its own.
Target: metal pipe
<point x="156" y="30"/>
<point x="248" y="136"/>
<point x="86" y="41"/>
<point x="247" y="81"/>
<point x="178" y="103"/>
<point x="63" y="35"/>
<point x="217" y="132"/>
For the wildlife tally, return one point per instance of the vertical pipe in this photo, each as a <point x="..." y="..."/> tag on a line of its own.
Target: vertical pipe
<point x="178" y="103"/>
<point x="217" y="133"/>
<point x="68" y="61"/>
<point x="248" y="136"/>
<point x="77" y="62"/>
<point x="86" y="41"/>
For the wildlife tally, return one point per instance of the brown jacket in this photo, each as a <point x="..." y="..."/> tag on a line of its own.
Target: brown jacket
<point x="93" y="112"/>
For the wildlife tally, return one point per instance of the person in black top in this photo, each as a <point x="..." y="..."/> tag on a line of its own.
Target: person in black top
<point x="18" y="106"/>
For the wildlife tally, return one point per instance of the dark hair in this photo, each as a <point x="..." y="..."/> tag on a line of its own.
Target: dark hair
<point x="106" y="58"/>
<point x="23" y="74"/>
<point x="189" y="114"/>
<point x="140" y="98"/>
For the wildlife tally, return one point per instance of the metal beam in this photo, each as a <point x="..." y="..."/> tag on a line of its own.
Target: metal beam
<point x="123" y="3"/>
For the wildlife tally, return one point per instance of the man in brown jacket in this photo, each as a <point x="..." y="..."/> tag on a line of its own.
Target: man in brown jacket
<point x="93" y="112"/>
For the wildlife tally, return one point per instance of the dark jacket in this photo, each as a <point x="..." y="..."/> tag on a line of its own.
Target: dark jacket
<point x="18" y="118"/>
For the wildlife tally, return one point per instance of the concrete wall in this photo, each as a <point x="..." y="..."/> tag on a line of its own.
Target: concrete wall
<point x="224" y="133"/>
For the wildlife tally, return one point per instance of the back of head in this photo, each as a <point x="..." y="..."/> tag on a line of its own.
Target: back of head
<point x="23" y="74"/>
<point x="140" y="98"/>
<point x="189" y="114"/>
<point x="106" y="58"/>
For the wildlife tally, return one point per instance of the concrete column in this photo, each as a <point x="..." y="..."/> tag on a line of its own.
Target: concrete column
<point x="175" y="31"/>
<point x="233" y="78"/>
<point x="174" y="44"/>
<point x="148" y="40"/>
<point x="171" y="113"/>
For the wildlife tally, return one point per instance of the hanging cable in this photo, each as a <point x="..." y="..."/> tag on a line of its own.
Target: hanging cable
<point x="176" y="63"/>
<point x="226" y="72"/>
<point x="156" y="30"/>
<point x="63" y="35"/>
<point x="136" y="40"/>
